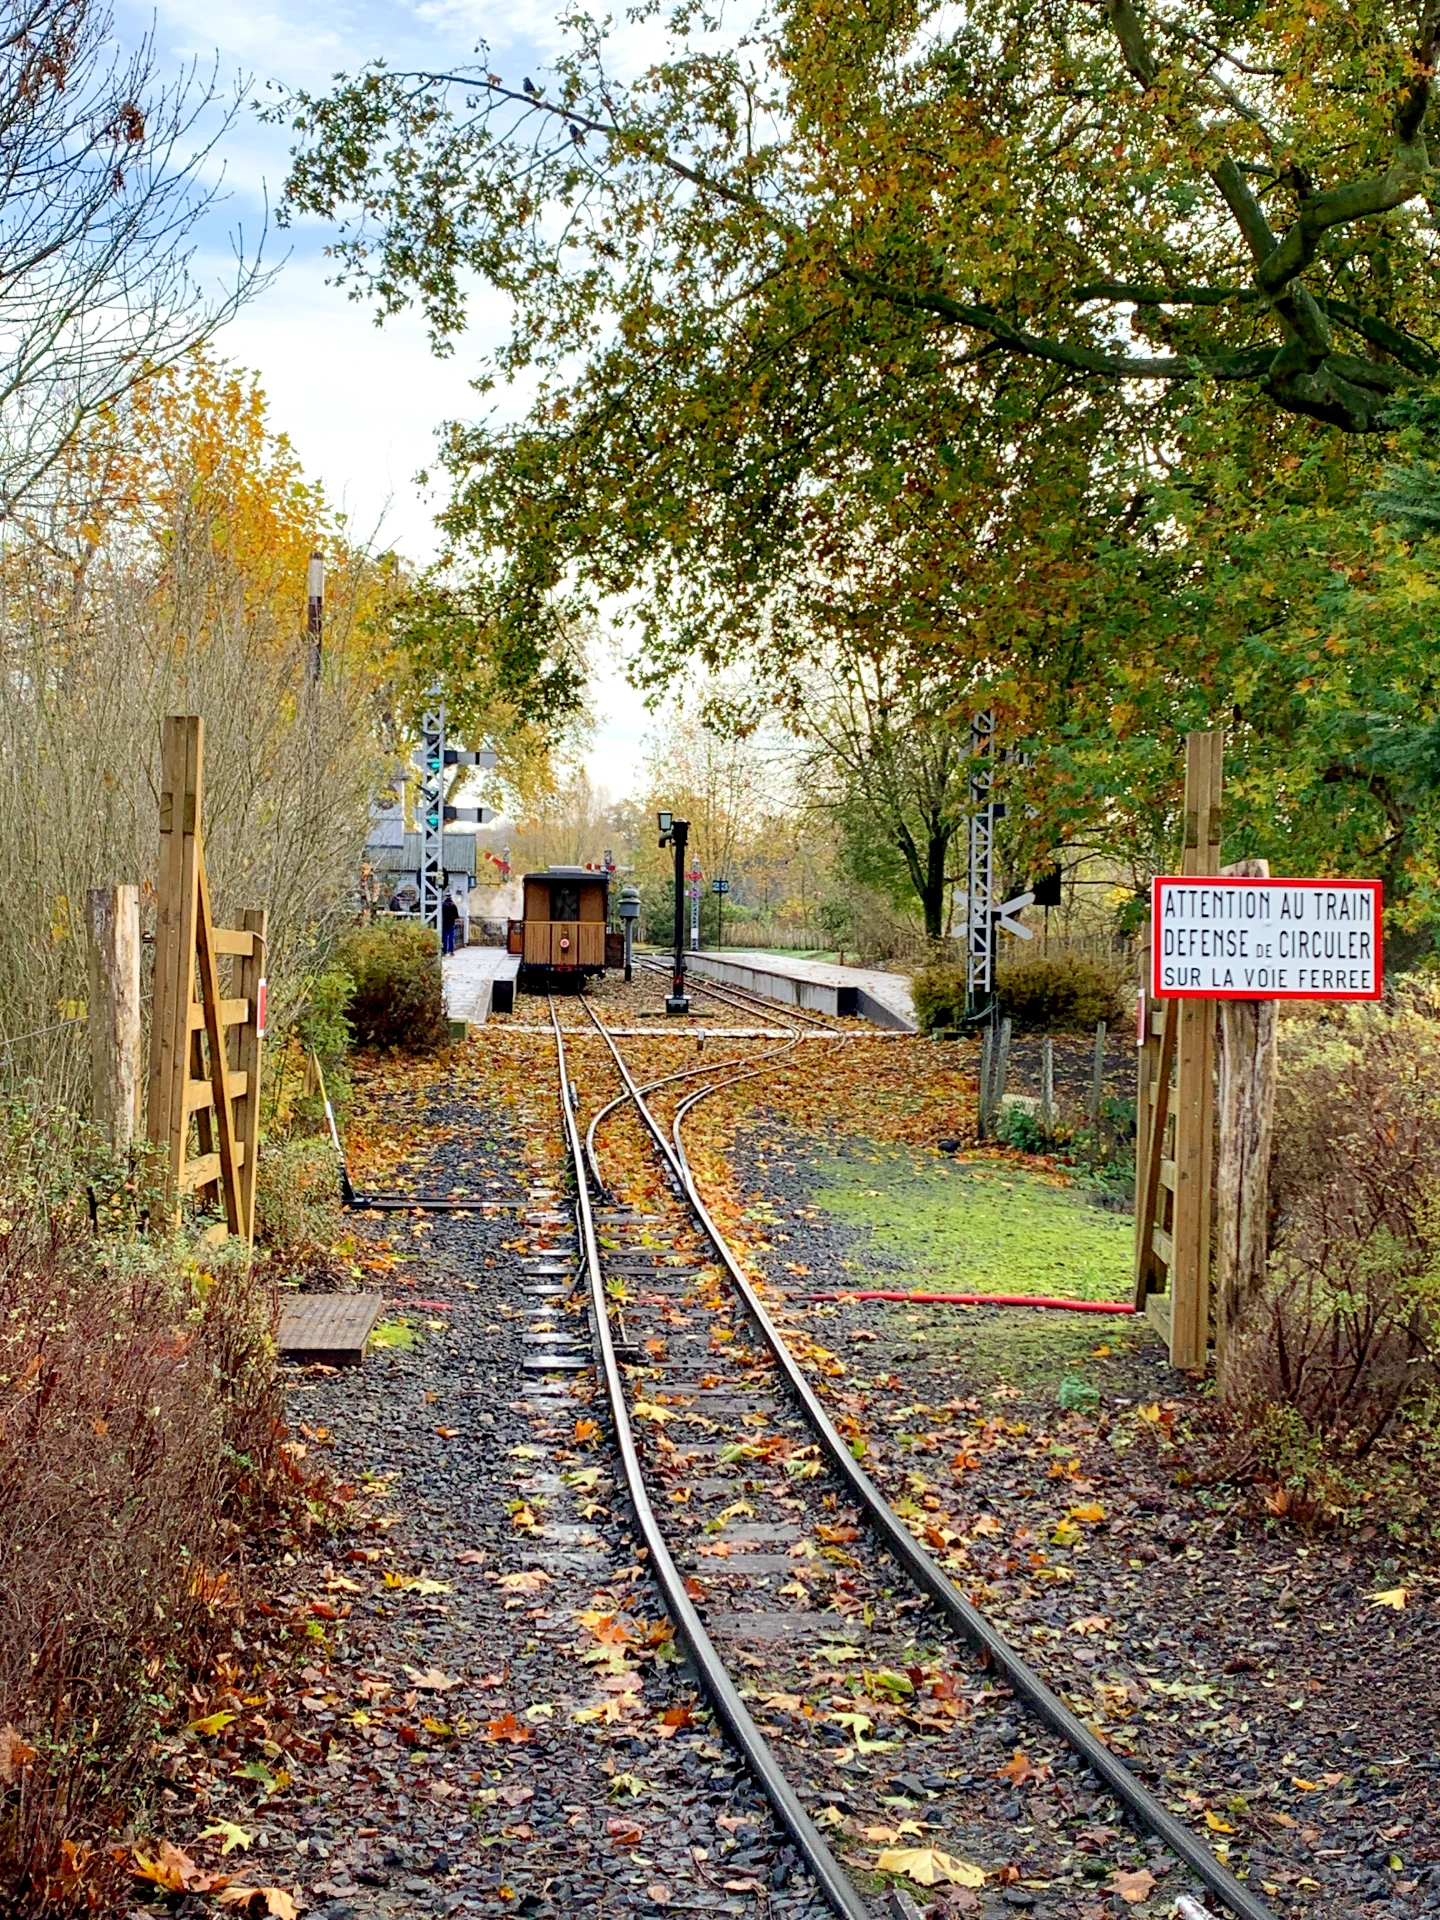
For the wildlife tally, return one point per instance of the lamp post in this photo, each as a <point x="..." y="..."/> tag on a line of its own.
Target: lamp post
<point x="315" y="611"/>
<point x="674" y="833"/>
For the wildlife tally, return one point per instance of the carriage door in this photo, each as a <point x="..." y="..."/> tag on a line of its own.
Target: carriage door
<point x="564" y="918"/>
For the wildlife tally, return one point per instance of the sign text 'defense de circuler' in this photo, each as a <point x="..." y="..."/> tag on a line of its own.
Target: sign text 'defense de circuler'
<point x="1240" y="939"/>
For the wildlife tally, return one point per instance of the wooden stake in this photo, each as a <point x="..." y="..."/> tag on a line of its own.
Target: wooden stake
<point x="1097" y="1074"/>
<point x="1247" y="1129"/>
<point x="113" y="914"/>
<point x="1047" y="1084"/>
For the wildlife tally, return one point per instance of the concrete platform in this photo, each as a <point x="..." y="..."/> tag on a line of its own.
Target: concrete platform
<point x="881" y="998"/>
<point x="479" y="981"/>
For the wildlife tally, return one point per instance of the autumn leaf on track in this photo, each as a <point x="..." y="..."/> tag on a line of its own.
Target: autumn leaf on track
<point x="621" y="1827"/>
<point x="507" y="1727"/>
<point x="1395" y="1597"/>
<point x="1216" y="1824"/>
<point x="585" y="1431"/>
<point x="530" y="1580"/>
<point x="1022" y="1770"/>
<point x="928" y="1866"/>
<point x="1090" y="1623"/>
<point x="1133" y="1887"/>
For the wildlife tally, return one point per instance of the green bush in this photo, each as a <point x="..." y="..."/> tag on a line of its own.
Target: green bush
<point x="939" y="996"/>
<point x="399" y="998"/>
<point x="1062" y="992"/>
<point x="297" y="1194"/>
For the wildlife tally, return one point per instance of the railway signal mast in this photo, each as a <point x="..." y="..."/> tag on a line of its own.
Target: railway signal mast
<point x="675" y="833"/>
<point x="436" y="757"/>
<point x="980" y="922"/>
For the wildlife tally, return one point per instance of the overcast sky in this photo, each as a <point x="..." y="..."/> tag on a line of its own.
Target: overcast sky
<point x="360" y="404"/>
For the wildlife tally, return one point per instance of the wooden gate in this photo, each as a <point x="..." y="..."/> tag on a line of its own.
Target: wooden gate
<point x="205" y="1044"/>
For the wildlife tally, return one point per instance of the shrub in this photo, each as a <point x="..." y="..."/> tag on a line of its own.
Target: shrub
<point x="297" y="1194"/>
<point x="939" y="996"/>
<point x="1342" y="1348"/>
<point x="141" y="1439"/>
<point x="1062" y="992"/>
<point x="399" y="996"/>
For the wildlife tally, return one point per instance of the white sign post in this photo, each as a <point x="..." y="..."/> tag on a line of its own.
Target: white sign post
<point x="1230" y="938"/>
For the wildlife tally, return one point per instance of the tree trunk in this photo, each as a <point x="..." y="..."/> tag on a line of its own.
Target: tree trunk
<point x="932" y="894"/>
<point x="1247" y="1126"/>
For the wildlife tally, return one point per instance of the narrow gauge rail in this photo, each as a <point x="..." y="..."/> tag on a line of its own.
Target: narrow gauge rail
<point x="886" y="1529"/>
<point x="748" y="1001"/>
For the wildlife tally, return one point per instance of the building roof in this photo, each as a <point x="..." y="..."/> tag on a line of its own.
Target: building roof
<point x="571" y="873"/>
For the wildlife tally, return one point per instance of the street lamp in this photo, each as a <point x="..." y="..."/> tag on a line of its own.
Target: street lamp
<point x="674" y="833"/>
<point x="315" y="611"/>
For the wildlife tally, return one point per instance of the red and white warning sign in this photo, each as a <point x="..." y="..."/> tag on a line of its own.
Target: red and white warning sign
<point x="1225" y="938"/>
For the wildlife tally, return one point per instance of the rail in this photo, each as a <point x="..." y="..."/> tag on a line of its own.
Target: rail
<point x="886" y="1526"/>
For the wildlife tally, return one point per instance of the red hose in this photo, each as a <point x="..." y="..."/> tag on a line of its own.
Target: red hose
<point x="979" y="1300"/>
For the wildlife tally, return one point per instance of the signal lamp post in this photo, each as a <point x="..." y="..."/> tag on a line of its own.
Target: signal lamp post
<point x="674" y="833"/>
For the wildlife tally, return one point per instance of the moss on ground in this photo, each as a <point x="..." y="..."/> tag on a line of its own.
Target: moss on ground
<point x="982" y="1226"/>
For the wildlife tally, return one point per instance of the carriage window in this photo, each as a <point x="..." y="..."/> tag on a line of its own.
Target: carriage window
<point x="564" y="903"/>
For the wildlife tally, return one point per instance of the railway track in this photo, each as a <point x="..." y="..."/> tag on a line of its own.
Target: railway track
<point x="781" y="1563"/>
<point x="744" y="1000"/>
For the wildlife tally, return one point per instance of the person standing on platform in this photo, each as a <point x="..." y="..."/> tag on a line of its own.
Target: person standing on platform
<point x="449" y="920"/>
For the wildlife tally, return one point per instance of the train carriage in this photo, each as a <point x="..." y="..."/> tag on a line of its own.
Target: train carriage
<point x="562" y="937"/>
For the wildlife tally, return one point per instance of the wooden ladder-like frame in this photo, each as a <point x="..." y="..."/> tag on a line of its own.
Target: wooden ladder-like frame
<point x="204" y="1047"/>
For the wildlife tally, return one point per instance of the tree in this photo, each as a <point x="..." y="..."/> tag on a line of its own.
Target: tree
<point x="99" y="198"/>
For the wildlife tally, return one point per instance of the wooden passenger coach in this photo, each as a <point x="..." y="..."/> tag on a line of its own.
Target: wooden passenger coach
<point x="562" y="935"/>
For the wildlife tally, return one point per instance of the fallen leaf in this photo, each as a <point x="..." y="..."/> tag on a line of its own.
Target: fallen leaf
<point x="448" y="1433"/>
<point x="531" y="1580"/>
<point x="1133" y="1887"/>
<point x="1022" y="1769"/>
<point x="928" y="1866"/>
<point x="507" y="1727"/>
<point x="278" y="1903"/>
<point x="212" y="1723"/>
<point x="621" y="1827"/>
<point x="433" y="1680"/>
<point x="1393" y="1597"/>
<point x="16" y="1753"/>
<point x="170" y="1869"/>
<point x="1216" y="1824"/>
<point x="1090" y="1623"/>
<point x="585" y="1430"/>
<point x="227" y="1831"/>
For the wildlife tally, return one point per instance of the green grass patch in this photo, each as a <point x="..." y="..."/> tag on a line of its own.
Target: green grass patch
<point x="976" y="1226"/>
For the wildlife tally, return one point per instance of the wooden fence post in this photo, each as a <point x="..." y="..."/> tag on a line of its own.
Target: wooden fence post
<point x="1247" y="1128"/>
<point x="113" y="916"/>
<point x="182" y="746"/>
<point x="1195" y="1083"/>
<point x="1180" y="1246"/>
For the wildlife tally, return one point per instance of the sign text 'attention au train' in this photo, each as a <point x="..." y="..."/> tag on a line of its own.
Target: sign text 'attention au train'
<point x="1224" y="938"/>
